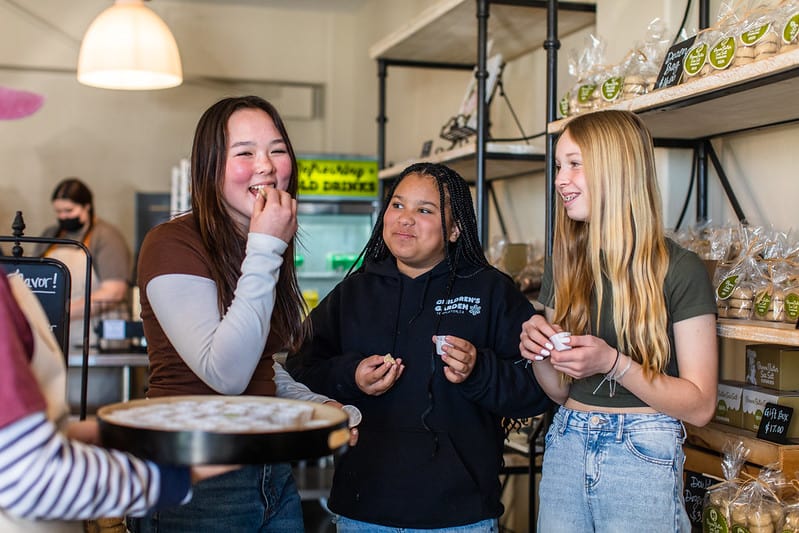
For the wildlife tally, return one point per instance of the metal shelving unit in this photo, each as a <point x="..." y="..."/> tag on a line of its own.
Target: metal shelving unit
<point x="453" y="34"/>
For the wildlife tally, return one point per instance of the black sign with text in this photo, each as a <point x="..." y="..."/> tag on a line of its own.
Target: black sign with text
<point x="49" y="280"/>
<point x="671" y="71"/>
<point x="774" y="423"/>
<point x="696" y="486"/>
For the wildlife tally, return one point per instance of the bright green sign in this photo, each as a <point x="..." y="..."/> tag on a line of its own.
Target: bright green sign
<point x="338" y="177"/>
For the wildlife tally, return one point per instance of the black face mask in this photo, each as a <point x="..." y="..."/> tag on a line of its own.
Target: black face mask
<point x="70" y="224"/>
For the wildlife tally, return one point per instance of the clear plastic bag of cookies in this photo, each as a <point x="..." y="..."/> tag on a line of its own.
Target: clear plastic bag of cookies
<point x="787" y="21"/>
<point x="695" y="64"/>
<point x="735" y="289"/>
<point x="716" y="514"/>
<point x="767" y="301"/>
<point x="587" y="66"/>
<point x="735" y="281"/>
<point x="759" y="37"/>
<point x="790" y="300"/>
<point x="758" y="508"/>
<point x="723" y="51"/>
<point x="778" y="300"/>
<point x="649" y="56"/>
<point x="611" y="85"/>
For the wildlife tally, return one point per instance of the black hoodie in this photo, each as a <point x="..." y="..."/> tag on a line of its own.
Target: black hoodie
<point x="429" y="451"/>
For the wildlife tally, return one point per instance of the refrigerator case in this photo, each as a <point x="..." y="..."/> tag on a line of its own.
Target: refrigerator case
<point x="336" y="212"/>
<point x="331" y="236"/>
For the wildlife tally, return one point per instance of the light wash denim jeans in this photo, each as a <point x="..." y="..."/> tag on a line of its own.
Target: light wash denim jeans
<point x="612" y="473"/>
<point x="347" y="525"/>
<point x="255" y="498"/>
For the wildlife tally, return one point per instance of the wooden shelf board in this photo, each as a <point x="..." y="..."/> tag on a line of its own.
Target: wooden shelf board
<point x="758" y="331"/>
<point x="446" y="32"/>
<point x="714" y="437"/>
<point x="502" y="161"/>
<point x="708" y="462"/>
<point x="744" y="97"/>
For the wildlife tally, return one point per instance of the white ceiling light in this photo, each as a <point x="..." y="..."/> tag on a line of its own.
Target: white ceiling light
<point x="129" y="47"/>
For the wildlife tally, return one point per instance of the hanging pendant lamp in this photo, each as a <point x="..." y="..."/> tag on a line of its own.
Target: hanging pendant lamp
<point x="129" y="47"/>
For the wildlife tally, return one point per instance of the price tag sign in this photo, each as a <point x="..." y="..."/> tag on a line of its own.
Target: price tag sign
<point x="696" y="486"/>
<point x="671" y="71"/>
<point x="427" y="149"/>
<point x="774" y="423"/>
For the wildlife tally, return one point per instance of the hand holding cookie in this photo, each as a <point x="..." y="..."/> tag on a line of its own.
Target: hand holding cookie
<point x="376" y="374"/>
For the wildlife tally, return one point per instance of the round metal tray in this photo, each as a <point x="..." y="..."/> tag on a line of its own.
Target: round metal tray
<point x="328" y="434"/>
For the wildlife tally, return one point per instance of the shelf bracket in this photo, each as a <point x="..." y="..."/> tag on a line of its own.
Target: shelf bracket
<point x="725" y="183"/>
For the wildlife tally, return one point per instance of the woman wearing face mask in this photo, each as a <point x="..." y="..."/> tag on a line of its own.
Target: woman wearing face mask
<point x="111" y="257"/>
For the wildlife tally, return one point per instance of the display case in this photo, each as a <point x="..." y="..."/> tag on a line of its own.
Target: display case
<point x="336" y="213"/>
<point x="331" y="235"/>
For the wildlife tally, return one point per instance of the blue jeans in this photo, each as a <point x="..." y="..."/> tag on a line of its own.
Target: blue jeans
<point x="260" y="498"/>
<point x="348" y="525"/>
<point x="612" y="473"/>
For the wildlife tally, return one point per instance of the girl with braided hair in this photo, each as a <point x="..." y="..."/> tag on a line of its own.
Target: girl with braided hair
<point x="431" y="439"/>
<point x="642" y="353"/>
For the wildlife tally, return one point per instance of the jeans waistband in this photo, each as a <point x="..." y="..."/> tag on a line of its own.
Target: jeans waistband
<point x="617" y="423"/>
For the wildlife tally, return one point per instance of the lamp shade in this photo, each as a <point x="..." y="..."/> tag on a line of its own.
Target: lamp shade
<point x="129" y="47"/>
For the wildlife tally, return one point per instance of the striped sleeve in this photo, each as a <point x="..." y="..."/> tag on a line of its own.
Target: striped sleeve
<point x="44" y="475"/>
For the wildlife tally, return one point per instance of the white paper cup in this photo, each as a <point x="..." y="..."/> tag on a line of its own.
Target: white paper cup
<point x="557" y="341"/>
<point x="440" y="343"/>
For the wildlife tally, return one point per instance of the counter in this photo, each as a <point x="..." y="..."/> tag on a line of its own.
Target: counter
<point x="110" y="379"/>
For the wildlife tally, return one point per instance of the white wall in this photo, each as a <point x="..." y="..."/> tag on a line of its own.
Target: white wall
<point x="122" y="142"/>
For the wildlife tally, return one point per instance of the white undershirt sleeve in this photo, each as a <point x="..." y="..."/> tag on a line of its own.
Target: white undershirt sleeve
<point x="288" y="388"/>
<point x="222" y="350"/>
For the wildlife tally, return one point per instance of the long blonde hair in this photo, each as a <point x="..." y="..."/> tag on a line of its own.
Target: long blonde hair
<point x="623" y="241"/>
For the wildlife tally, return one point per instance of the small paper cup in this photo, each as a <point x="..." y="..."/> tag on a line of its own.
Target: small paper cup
<point x="557" y="341"/>
<point x="440" y="343"/>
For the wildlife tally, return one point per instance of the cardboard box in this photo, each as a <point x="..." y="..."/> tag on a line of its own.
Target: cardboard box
<point x="773" y="366"/>
<point x="729" y="403"/>
<point x="755" y="400"/>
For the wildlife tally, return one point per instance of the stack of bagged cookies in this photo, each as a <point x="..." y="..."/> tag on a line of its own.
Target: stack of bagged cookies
<point x="791" y="520"/>
<point x="744" y="54"/>
<point x="760" y="35"/>
<point x="768" y="45"/>
<point x="769" y="304"/>
<point x="634" y="85"/>
<point x="789" y="27"/>
<point x="756" y="44"/>
<point x="757" y="516"/>
<point x="739" y="304"/>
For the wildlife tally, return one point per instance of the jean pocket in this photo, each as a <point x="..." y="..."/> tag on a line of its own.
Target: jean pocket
<point x="658" y="447"/>
<point x="552" y="435"/>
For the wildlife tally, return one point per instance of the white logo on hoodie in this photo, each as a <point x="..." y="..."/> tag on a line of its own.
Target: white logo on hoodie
<point x="459" y="305"/>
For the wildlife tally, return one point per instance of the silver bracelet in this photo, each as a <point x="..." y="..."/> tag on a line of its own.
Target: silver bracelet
<point x="626" y="368"/>
<point x="609" y="376"/>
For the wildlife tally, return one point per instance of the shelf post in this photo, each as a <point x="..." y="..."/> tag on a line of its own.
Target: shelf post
<point x="701" y="181"/>
<point x="551" y="44"/>
<point x="482" y="122"/>
<point x="382" y="73"/>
